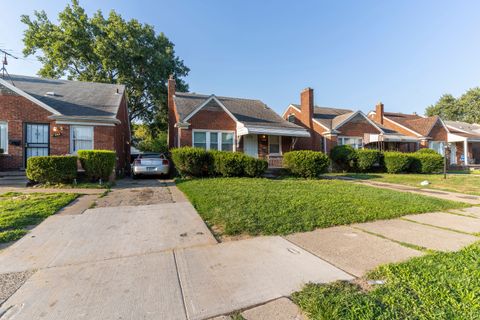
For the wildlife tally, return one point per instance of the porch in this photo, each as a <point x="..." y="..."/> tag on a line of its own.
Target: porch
<point x="269" y="143"/>
<point x="464" y="150"/>
<point x="391" y="142"/>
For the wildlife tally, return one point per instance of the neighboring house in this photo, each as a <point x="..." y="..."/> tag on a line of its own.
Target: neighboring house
<point x="230" y="124"/>
<point x="329" y="127"/>
<point x="464" y="143"/>
<point x="40" y="117"/>
<point x="430" y="132"/>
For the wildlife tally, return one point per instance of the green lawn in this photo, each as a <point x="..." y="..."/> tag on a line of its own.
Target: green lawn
<point x="436" y="286"/>
<point x="235" y="206"/>
<point x="20" y="210"/>
<point x="463" y="183"/>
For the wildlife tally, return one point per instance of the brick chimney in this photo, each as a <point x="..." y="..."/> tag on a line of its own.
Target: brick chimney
<point x="171" y="112"/>
<point x="379" y="113"/>
<point x="306" y="104"/>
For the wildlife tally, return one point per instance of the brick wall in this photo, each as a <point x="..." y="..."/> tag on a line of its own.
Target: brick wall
<point x="315" y="142"/>
<point x="122" y="137"/>
<point x="357" y="127"/>
<point x="439" y="133"/>
<point x="17" y="110"/>
<point x="207" y="120"/>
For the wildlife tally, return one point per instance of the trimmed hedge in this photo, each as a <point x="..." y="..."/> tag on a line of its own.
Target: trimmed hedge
<point x="427" y="151"/>
<point x="98" y="164"/>
<point x="306" y="163"/>
<point x="369" y="160"/>
<point x="192" y="162"/>
<point x="255" y="167"/>
<point x="426" y="162"/>
<point x="343" y="157"/>
<point x="52" y="169"/>
<point x="397" y="162"/>
<point x="196" y="162"/>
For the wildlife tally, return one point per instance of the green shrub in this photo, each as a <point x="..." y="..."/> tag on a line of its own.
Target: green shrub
<point x="52" y="169"/>
<point x="229" y="164"/>
<point x="192" y="162"/>
<point x="98" y="164"/>
<point x="368" y="160"/>
<point x="427" y="151"/>
<point x="396" y="162"/>
<point x="426" y="162"/>
<point x="343" y="157"/>
<point x="255" y="167"/>
<point x="306" y="163"/>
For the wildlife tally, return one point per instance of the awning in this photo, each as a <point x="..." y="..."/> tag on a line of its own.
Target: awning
<point x="277" y="131"/>
<point x="370" y="137"/>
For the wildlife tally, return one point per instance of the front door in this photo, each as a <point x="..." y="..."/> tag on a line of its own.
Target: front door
<point x="37" y="142"/>
<point x="250" y="145"/>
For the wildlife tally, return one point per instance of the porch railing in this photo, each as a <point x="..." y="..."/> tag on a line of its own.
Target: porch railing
<point x="275" y="161"/>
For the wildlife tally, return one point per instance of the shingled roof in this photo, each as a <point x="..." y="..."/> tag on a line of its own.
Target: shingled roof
<point x="419" y="124"/>
<point x="73" y="99"/>
<point x="328" y="117"/>
<point x="247" y="111"/>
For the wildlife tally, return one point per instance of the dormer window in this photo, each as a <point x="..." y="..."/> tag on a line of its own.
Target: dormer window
<point x="291" y="118"/>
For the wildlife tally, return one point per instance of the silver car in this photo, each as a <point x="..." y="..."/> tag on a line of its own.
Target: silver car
<point x="153" y="164"/>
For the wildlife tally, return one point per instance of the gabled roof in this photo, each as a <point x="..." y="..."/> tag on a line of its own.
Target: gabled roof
<point x="470" y="129"/>
<point x="249" y="112"/>
<point x="422" y="126"/>
<point x="72" y="99"/>
<point x="328" y="117"/>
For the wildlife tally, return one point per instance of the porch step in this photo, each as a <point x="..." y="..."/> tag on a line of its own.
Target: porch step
<point x="273" y="173"/>
<point x="13" y="179"/>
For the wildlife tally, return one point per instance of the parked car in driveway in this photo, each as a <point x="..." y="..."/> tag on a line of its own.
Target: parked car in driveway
<point x="150" y="164"/>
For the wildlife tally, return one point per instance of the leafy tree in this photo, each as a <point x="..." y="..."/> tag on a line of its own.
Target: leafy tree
<point x="469" y="104"/>
<point x="149" y="139"/>
<point x="446" y="107"/>
<point x="466" y="108"/>
<point x="110" y="50"/>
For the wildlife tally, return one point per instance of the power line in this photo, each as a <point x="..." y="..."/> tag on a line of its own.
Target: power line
<point x="5" y="62"/>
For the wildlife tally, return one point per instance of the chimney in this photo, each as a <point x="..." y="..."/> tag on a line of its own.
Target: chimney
<point x="306" y="104"/>
<point x="171" y="112"/>
<point x="379" y="113"/>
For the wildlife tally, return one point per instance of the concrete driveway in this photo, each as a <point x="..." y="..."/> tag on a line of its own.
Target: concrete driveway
<point x="128" y="260"/>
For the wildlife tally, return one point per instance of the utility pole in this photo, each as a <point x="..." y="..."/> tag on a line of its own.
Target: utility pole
<point x="3" y="70"/>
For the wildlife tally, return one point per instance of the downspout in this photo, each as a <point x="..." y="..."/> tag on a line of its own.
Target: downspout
<point x="324" y="144"/>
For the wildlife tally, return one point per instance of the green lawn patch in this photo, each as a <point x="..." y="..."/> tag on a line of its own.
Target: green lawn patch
<point x="463" y="183"/>
<point x="80" y="185"/>
<point x="21" y="210"/>
<point x="262" y="206"/>
<point x="435" y="286"/>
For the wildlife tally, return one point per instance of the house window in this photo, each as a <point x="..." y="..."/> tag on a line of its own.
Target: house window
<point x="214" y="140"/>
<point x="354" y="142"/>
<point x="81" y="138"/>
<point x="273" y="145"/>
<point x="438" y="146"/>
<point x="4" y="136"/>
<point x="291" y="118"/>
<point x="227" y="141"/>
<point x="200" y="140"/>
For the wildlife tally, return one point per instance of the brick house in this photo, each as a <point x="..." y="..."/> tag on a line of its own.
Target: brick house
<point x="329" y="127"/>
<point x="430" y="132"/>
<point x="230" y="124"/>
<point x="464" y="143"/>
<point x="41" y="117"/>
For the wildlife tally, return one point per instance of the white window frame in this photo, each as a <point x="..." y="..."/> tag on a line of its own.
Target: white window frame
<point x="71" y="137"/>
<point x="441" y="145"/>
<point x="279" y="146"/>
<point x="219" y="138"/>
<point x="5" y="150"/>
<point x="341" y="138"/>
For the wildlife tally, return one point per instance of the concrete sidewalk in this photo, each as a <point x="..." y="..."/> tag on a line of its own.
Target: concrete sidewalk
<point x="441" y="194"/>
<point x="160" y="261"/>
